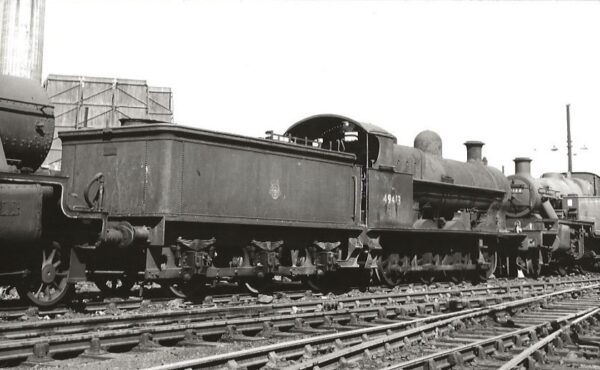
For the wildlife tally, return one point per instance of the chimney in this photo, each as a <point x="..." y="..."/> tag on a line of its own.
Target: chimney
<point x="22" y="38"/>
<point x="522" y="166"/>
<point x="474" y="150"/>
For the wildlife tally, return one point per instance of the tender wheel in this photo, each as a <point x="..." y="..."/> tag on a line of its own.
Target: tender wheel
<point x="48" y="285"/>
<point x="387" y="270"/>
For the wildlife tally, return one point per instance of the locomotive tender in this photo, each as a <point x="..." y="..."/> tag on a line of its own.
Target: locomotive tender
<point x="329" y="202"/>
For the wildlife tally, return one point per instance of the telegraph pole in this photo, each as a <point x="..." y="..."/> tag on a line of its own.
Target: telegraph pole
<point x="569" y="143"/>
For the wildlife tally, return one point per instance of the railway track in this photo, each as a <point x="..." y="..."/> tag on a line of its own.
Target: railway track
<point x="443" y="338"/>
<point x="204" y="326"/>
<point x="90" y="304"/>
<point x="479" y="342"/>
<point x="130" y="304"/>
<point x="563" y="334"/>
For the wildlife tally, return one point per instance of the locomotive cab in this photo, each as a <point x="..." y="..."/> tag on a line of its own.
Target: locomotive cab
<point x="386" y="194"/>
<point x="333" y="132"/>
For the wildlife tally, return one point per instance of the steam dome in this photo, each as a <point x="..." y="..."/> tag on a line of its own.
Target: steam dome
<point x="429" y="142"/>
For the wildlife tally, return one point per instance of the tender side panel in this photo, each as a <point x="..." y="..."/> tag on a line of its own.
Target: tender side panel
<point x="123" y="164"/>
<point x="230" y="183"/>
<point x="163" y="174"/>
<point x="390" y="199"/>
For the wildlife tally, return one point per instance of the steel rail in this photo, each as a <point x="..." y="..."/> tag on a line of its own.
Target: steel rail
<point x="389" y="339"/>
<point x="459" y="355"/>
<point x="256" y="357"/>
<point x="87" y="307"/>
<point x="301" y="344"/>
<point x="18" y="340"/>
<point x="121" y="331"/>
<point x="419" y="301"/>
<point x="522" y="357"/>
<point x="408" y="293"/>
<point x="88" y="304"/>
<point x="124" y="333"/>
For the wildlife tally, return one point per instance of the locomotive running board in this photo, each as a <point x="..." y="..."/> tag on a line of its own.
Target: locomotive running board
<point x="428" y="187"/>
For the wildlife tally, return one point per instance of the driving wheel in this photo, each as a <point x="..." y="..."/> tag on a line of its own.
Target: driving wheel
<point x="387" y="270"/>
<point x="47" y="285"/>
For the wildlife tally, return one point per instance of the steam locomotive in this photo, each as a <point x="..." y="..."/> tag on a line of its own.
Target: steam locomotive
<point x="560" y="215"/>
<point x="330" y="202"/>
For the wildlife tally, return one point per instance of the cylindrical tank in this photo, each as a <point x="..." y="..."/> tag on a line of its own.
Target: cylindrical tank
<point x="26" y="122"/>
<point x="22" y="38"/>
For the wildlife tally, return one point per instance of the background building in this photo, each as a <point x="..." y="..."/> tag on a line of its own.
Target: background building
<point x="95" y="102"/>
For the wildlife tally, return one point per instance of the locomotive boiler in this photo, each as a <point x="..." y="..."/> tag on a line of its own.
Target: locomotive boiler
<point x="26" y="123"/>
<point x="541" y="195"/>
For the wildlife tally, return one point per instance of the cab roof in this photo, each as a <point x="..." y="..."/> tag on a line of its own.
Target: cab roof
<point x="313" y="127"/>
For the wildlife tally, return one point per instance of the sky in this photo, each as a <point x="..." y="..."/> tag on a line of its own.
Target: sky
<point x="499" y="72"/>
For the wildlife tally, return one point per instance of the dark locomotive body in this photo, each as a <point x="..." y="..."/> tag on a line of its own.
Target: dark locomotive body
<point x="31" y="220"/>
<point x="560" y="214"/>
<point x="426" y="217"/>
<point x="330" y="202"/>
<point x="332" y="198"/>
